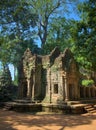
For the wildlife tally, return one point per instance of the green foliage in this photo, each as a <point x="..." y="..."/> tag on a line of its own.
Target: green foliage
<point x="5" y="84"/>
<point x="6" y="48"/>
<point x="58" y="35"/>
<point x="87" y="83"/>
<point x="16" y="25"/>
<point x="8" y="91"/>
<point x="84" y="36"/>
<point x="46" y="11"/>
<point x="16" y="19"/>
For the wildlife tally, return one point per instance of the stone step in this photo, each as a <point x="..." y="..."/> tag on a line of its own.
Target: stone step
<point x="94" y="111"/>
<point x="88" y="106"/>
<point x="82" y="101"/>
<point x="73" y="102"/>
<point x="90" y="109"/>
<point x="7" y="107"/>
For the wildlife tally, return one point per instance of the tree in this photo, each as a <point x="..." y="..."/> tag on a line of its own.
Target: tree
<point x="21" y="20"/>
<point x="16" y="25"/>
<point x="58" y="35"/>
<point x="46" y="10"/>
<point x="5" y="84"/>
<point x="6" y="49"/>
<point x="16" y="20"/>
<point x="84" y="35"/>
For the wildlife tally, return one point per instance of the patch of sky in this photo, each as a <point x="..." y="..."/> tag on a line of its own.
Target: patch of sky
<point x="11" y="68"/>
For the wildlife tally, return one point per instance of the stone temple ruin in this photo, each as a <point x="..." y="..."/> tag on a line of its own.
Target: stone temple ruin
<point x="51" y="83"/>
<point x="52" y="78"/>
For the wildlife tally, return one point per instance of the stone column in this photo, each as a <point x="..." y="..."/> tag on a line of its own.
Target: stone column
<point x="93" y="92"/>
<point x="63" y="89"/>
<point x="84" y="92"/>
<point x="66" y="87"/>
<point x="33" y="92"/>
<point x="28" y="88"/>
<point x="50" y="86"/>
<point x="33" y="86"/>
<point x="89" y="93"/>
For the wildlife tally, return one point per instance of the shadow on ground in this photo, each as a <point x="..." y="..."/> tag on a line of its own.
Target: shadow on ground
<point x="9" y="120"/>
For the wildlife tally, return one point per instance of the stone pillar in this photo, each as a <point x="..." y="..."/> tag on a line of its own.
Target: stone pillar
<point x="89" y="93"/>
<point x="50" y="86"/>
<point x="33" y="92"/>
<point x="84" y="90"/>
<point x="66" y="87"/>
<point x="28" y="89"/>
<point x="33" y="85"/>
<point x="93" y="92"/>
<point x="63" y="89"/>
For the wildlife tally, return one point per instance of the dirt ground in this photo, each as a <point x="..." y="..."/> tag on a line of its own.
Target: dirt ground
<point x="10" y="120"/>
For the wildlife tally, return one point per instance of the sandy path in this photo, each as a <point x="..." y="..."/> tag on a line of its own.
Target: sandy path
<point x="24" y="121"/>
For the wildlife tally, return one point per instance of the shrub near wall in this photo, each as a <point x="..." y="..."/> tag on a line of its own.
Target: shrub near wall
<point x="6" y="87"/>
<point x="87" y="82"/>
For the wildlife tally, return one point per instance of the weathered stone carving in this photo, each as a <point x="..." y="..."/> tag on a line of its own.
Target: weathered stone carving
<point x="52" y="78"/>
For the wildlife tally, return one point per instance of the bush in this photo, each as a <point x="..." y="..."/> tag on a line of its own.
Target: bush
<point x="8" y="91"/>
<point x="87" y="83"/>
